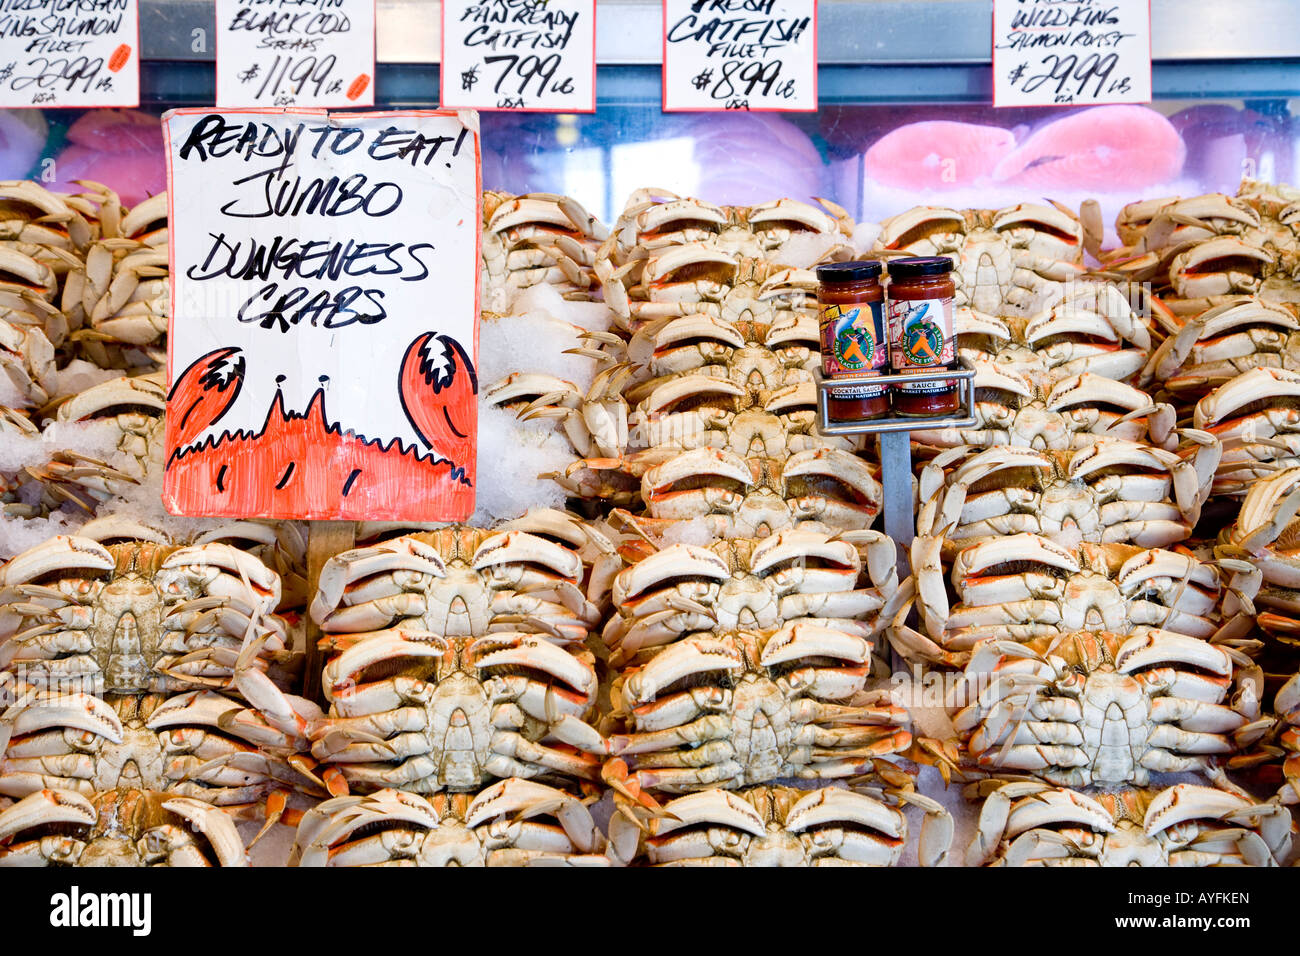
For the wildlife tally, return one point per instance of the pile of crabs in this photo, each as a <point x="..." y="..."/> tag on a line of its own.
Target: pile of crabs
<point x="710" y="655"/>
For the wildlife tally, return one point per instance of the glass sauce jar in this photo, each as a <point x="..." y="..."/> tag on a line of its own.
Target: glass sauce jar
<point x="922" y="337"/>
<point x="851" y="302"/>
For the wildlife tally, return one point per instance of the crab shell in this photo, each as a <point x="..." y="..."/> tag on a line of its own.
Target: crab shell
<point x="1068" y="414"/>
<point x="1097" y="708"/>
<point x="200" y="744"/>
<point x="1216" y="346"/>
<point x="776" y="826"/>
<point x="459" y="581"/>
<point x="1261" y="556"/>
<point x="136" y="616"/>
<point x="537" y="238"/>
<point x="425" y="712"/>
<point x="754" y="497"/>
<point x="734" y="708"/>
<point x="1026" y="824"/>
<point x="1256" y="416"/>
<point x="135" y="407"/>
<point x="841" y="581"/>
<point x="513" y="822"/>
<point x="1025" y="586"/>
<point x="1112" y="490"/>
<point x="117" y="828"/>
<point x="1011" y="257"/>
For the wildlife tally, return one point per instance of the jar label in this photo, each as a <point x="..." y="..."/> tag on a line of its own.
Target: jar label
<point x="921" y="339"/>
<point x="853" y="343"/>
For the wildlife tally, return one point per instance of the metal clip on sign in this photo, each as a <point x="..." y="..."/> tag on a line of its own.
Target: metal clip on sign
<point x="896" y="442"/>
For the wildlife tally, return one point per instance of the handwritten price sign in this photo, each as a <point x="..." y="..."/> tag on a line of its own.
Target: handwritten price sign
<point x="529" y="55"/>
<point x="1074" y="52"/>
<point x="56" y="53"/>
<point x="295" y="53"/>
<point x="740" y="55"/>
<point x="324" y="322"/>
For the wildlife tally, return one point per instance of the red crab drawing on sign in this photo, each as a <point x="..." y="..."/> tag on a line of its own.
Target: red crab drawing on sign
<point x="300" y="464"/>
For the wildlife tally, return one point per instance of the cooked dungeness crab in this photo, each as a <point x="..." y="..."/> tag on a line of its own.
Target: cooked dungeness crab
<point x="117" y="828"/>
<point x="15" y="425"/>
<point x="1035" y="824"/>
<point x="137" y="617"/>
<point x="1210" y="247"/>
<point x="27" y="358"/>
<point x="1008" y="258"/>
<point x="1024" y="586"/>
<point x="702" y="278"/>
<point x="528" y="574"/>
<point x="839" y="581"/>
<point x="1261" y="553"/>
<point x="656" y="219"/>
<point x="1216" y="346"/>
<point x="135" y="407"/>
<point x="425" y="712"/>
<point x="779" y="826"/>
<point x="1287" y="707"/>
<point x="1080" y="327"/>
<point x="534" y="238"/>
<point x="1012" y="409"/>
<point x="1110" y="490"/>
<point x="513" y="822"/>
<point x="199" y="744"/>
<point x="825" y="489"/>
<point x="1257" y="418"/>
<point x="739" y="707"/>
<point x="1094" y="708"/>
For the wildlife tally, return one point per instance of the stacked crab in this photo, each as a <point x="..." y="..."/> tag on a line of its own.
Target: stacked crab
<point x="84" y="293"/>
<point x="459" y="697"/>
<point x="704" y="404"/>
<point x="1230" y="270"/>
<point x="130" y="670"/>
<point x="705" y="652"/>
<point x="738" y="652"/>
<point x="1095" y="648"/>
<point x="745" y="663"/>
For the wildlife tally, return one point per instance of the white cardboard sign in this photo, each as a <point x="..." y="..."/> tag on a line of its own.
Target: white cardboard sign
<point x="324" y="325"/>
<point x="1071" y="52"/>
<point x="53" y="53"/>
<point x="756" y="55"/>
<point x="523" y="55"/>
<point x="295" y="53"/>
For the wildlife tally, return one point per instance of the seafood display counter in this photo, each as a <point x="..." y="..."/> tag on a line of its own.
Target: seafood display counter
<point x="690" y="620"/>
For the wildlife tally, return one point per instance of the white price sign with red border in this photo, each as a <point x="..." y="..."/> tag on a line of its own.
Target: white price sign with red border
<point x="1071" y="52"/>
<point x="520" y="55"/>
<point x="758" y="55"/>
<point x="295" y="53"/>
<point x="324" y="314"/>
<point x="54" y="53"/>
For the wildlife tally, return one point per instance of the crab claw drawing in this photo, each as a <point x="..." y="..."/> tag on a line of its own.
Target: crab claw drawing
<point x="438" y="386"/>
<point x="203" y="393"/>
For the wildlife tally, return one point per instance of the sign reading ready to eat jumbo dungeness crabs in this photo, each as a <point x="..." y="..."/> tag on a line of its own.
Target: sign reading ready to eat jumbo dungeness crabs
<point x="324" y="325"/>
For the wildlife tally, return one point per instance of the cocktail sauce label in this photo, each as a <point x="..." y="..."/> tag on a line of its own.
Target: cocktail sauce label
<point x="853" y="343"/>
<point x="921" y="339"/>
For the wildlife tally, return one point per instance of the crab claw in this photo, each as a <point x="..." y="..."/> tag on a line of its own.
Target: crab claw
<point x="202" y="395"/>
<point x="46" y="807"/>
<point x="437" y="394"/>
<point x="616" y="775"/>
<point x="214" y="824"/>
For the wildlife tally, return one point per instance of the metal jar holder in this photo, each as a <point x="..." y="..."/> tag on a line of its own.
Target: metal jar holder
<point x="896" y="442"/>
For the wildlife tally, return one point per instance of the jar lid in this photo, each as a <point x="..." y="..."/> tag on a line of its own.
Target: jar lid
<point x="849" y="271"/>
<point x="912" y="268"/>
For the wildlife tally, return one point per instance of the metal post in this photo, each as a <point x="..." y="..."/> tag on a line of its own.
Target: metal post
<point x="896" y="481"/>
<point x="896" y="443"/>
